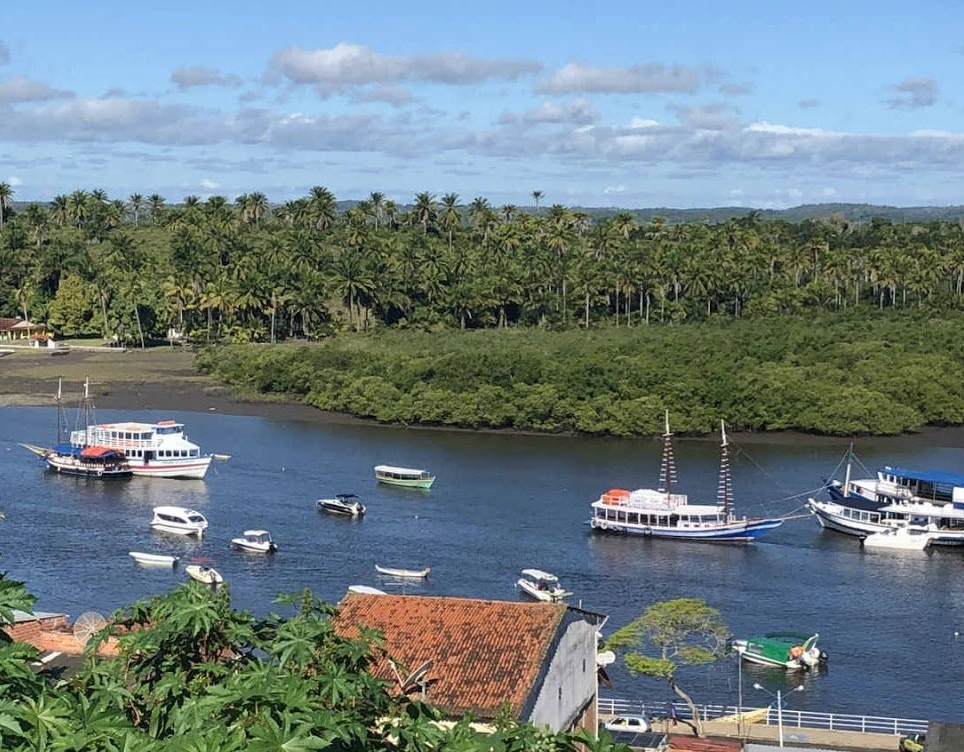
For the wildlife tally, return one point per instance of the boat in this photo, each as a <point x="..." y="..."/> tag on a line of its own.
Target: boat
<point x="663" y="513"/>
<point x="86" y="460"/>
<point x="179" y="520"/>
<point x="204" y="574"/>
<point x="542" y="586"/>
<point x="404" y="476"/>
<point x="397" y="572"/>
<point x="256" y="541"/>
<point x="154" y="450"/>
<point x="365" y="590"/>
<point x="790" y="650"/>
<point x="930" y="502"/>
<point x="153" y="560"/>
<point x="902" y="538"/>
<point x="346" y="505"/>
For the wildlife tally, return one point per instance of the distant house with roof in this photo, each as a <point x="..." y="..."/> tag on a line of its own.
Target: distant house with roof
<point x="20" y="329"/>
<point x="462" y="655"/>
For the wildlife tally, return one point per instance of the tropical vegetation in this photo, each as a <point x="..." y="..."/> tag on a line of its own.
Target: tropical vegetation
<point x="590" y="325"/>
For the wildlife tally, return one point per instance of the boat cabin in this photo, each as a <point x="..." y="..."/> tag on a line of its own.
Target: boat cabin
<point x="387" y="472"/>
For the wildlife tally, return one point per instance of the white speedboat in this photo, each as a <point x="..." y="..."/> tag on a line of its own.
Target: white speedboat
<point x="153" y="560"/>
<point x="900" y="538"/>
<point x="346" y="505"/>
<point x="398" y="572"/>
<point x="542" y="586"/>
<point x="256" y="541"/>
<point x="408" y="477"/>
<point x="179" y="520"/>
<point x="155" y="450"/>
<point x="203" y="574"/>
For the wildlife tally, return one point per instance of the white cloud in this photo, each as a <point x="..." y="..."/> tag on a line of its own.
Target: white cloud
<point x="352" y="64"/>
<point x="577" y="111"/>
<point x="636" y="79"/>
<point x="14" y="182"/>
<point x="709" y="117"/>
<point x="638" y="122"/>
<point x="20" y="89"/>
<point x="209" y="185"/>
<point x="610" y="190"/>
<point x="196" y="75"/>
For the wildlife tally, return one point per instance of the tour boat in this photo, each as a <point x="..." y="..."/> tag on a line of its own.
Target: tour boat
<point x="661" y="513"/>
<point x="923" y="501"/>
<point x="404" y="476"/>
<point x="85" y="460"/>
<point x="542" y="586"/>
<point x="179" y="520"/>
<point x="397" y="572"/>
<point x="203" y="574"/>
<point x="153" y="560"/>
<point x="154" y="450"/>
<point x="256" y="541"/>
<point x="346" y="505"/>
<point x="790" y="650"/>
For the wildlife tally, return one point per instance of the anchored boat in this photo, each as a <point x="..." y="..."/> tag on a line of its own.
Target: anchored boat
<point x="790" y="650"/>
<point x="542" y="586"/>
<point x="404" y="476"/>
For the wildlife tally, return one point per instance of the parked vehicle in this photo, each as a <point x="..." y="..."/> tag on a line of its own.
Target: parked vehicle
<point x="911" y="743"/>
<point x="634" y="723"/>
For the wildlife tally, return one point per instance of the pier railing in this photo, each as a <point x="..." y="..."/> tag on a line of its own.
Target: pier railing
<point x="660" y="711"/>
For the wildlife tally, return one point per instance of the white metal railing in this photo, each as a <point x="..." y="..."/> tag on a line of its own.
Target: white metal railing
<point x="791" y="718"/>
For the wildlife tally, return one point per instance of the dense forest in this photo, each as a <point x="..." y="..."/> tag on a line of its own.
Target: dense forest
<point x="546" y="319"/>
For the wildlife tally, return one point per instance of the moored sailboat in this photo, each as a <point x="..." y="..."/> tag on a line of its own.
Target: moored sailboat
<point x="661" y="513"/>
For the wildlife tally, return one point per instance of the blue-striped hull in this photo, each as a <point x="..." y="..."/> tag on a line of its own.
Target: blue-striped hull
<point x="738" y="531"/>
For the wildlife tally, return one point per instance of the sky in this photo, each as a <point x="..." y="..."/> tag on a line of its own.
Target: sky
<point x="612" y="103"/>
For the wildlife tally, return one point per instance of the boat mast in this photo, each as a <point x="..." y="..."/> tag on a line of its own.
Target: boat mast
<point x="846" y="483"/>
<point x="60" y="411"/>
<point x="724" y="494"/>
<point x="667" y="467"/>
<point x="87" y="410"/>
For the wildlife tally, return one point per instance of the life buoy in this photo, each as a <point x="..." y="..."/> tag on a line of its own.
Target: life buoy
<point x="602" y="524"/>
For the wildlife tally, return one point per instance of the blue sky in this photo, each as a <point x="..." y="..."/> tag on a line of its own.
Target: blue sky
<point x="630" y="104"/>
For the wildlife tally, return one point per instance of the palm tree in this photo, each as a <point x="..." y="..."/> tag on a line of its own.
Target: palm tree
<point x="424" y="211"/>
<point x="136" y="201"/>
<point x="322" y="208"/>
<point x="155" y="203"/>
<point x="6" y="200"/>
<point x="451" y="216"/>
<point x="377" y="202"/>
<point x="536" y="196"/>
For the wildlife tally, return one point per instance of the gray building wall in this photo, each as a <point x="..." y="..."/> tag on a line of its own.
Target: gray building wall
<point x="570" y="681"/>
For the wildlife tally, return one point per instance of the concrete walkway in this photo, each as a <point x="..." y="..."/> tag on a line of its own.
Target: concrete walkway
<point x="793" y="737"/>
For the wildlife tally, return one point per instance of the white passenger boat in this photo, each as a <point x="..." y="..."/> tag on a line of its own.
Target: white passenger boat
<point x="256" y="541"/>
<point x="346" y="505"/>
<point x="923" y="501"/>
<point x="153" y="560"/>
<point x="179" y="520"/>
<point x="404" y="476"/>
<point x="155" y="450"/>
<point x="900" y="538"/>
<point x="397" y="572"/>
<point x="204" y="574"/>
<point x="662" y="513"/>
<point x="542" y="586"/>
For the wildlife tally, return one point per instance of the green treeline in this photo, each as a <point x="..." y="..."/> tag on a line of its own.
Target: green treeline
<point x="248" y="271"/>
<point x="828" y="374"/>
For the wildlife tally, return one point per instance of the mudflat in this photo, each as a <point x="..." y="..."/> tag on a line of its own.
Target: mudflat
<point x="151" y="379"/>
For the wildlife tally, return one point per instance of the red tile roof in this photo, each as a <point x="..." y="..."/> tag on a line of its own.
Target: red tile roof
<point x="485" y="653"/>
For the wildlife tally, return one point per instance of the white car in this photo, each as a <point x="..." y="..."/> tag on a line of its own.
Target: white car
<point x="633" y="723"/>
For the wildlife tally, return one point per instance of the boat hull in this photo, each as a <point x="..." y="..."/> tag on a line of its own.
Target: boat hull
<point x="410" y="573"/>
<point x="546" y="596"/>
<point x="408" y="482"/>
<point x="71" y="466"/>
<point x="741" y="531"/>
<point x="341" y="510"/>
<point x="254" y="548"/>
<point x="163" y="527"/>
<point x="841" y="518"/>
<point x="190" y="470"/>
<point x="204" y="575"/>
<point x="153" y="560"/>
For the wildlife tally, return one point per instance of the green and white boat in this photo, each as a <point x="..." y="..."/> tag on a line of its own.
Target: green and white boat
<point x="404" y="476"/>
<point x="790" y="650"/>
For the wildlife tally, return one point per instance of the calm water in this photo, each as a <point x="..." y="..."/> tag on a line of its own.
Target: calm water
<point x="503" y="503"/>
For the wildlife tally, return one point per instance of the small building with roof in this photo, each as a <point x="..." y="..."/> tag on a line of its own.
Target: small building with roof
<point x="467" y="656"/>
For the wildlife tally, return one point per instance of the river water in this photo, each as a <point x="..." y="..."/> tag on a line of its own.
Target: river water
<point x="502" y="503"/>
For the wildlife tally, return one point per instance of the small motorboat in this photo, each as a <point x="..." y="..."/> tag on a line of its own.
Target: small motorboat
<point x="542" y="586"/>
<point x="901" y="538"/>
<point x="204" y="574"/>
<point x="346" y="505"/>
<point x="153" y="560"/>
<point x="179" y="520"/>
<point x="365" y="590"/>
<point x="404" y="476"/>
<point x="790" y="650"/>
<point x="256" y="541"/>
<point x="397" y="572"/>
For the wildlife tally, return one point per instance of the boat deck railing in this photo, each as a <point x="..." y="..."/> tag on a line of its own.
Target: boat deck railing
<point x="791" y="718"/>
